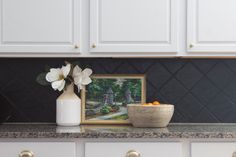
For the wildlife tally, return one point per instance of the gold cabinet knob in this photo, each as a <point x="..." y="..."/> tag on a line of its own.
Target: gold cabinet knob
<point x="26" y="153"/>
<point x="234" y="154"/>
<point x="132" y="153"/>
<point x="191" y="46"/>
<point x="76" y="46"/>
<point x="94" y="46"/>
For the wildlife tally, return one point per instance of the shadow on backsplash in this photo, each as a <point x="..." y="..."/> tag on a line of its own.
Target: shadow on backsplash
<point x="202" y="90"/>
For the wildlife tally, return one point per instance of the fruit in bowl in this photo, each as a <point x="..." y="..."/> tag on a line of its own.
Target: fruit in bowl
<point x="150" y="114"/>
<point x="153" y="103"/>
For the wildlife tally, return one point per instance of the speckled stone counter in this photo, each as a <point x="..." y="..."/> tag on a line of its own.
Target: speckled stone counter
<point x="93" y="131"/>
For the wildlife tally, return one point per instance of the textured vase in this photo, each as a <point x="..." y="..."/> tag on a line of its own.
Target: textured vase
<point x="68" y="109"/>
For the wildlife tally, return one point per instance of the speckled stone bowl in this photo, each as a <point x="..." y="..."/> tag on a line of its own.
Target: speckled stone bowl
<point x="150" y="116"/>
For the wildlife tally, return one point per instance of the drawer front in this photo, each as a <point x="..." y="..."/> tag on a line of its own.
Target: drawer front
<point x="40" y="149"/>
<point x="224" y="149"/>
<point x="144" y="149"/>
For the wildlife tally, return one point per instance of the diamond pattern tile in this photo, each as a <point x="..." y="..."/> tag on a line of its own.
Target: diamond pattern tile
<point x="189" y="106"/>
<point x="205" y="116"/>
<point x="143" y="65"/>
<point x="158" y="75"/>
<point x="189" y="75"/>
<point x="173" y="65"/>
<point x="231" y="64"/>
<point x="204" y="65"/>
<point x="126" y="68"/>
<point x="230" y="90"/>
<point x="108" y="65"/>
<point x="205" y="91"/>
<point x="223" y="108"/>
<point x="221" y="75"/>
<point x="202" y="90"/>
<point x="173" y="91"/>
<point x="151" y="90"/>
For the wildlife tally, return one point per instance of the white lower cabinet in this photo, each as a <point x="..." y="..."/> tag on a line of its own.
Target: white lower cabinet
<point x="213" y="149"/>
<point x="133" y="149"/>
<point x="37" y="149"/>
<point x="186" y="148"/>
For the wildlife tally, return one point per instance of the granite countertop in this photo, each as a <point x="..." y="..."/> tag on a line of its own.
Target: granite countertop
<point x="109" y="131"/>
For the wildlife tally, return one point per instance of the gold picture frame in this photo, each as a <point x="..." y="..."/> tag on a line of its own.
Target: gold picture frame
<point x="124" y="77"/>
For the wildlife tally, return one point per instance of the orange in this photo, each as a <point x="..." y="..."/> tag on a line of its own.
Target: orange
<point x="156" y="103"/>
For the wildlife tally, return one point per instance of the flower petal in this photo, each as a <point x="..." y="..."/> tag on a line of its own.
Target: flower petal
<point x="76" y="71"/>
<point x="87" y="72"/>
<point x="58" y="85"/>
<point x="53" y="75"/>
<point x="86" y="81"/>
<point x="78" y="79"/>
<point x="66" y="70"/>
<point x="62" y="85"/>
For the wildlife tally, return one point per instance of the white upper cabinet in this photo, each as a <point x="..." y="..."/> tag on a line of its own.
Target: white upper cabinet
<point x="117" y="28"/>
<point x="129" y="26"/>
<point x="39" y="26"/>
<point x="211" y="27"/>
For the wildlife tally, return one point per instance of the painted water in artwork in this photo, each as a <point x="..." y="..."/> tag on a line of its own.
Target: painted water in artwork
<point x="107" y="98"/>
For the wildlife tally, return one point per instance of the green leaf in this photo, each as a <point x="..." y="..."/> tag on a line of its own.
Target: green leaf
<point x="41" y="79"/>
<point x="47" y="68"/>
<point x="87" y="66"/>
<point x="75" y="63"/>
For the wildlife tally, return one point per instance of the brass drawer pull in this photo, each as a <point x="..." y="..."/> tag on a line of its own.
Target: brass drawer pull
<point x="26" y="153"/>
<point x="94" y="46"/>
<point x="76" y="46"/>
<point x="132" y="153"/>
<point x="191" y="46"/>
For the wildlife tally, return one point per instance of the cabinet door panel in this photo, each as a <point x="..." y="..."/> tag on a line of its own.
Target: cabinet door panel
<point x="211" y="26"/>
<point x="133" y="25"/>
<point x="145" y="149"/>
<point x="38" y="149"/>
<point x="39" y="25"/>
<point x="213" y="149"/>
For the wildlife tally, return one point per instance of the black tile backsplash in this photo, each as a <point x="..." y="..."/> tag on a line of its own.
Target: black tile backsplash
<point x="203" y="90"/>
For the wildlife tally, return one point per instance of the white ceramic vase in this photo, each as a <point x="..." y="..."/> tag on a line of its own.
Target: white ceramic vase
<point x="68" y="109"/>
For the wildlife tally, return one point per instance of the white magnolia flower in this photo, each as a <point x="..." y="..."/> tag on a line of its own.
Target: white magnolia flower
<point x="81" y="77"/>
<point x="57" y="76"/>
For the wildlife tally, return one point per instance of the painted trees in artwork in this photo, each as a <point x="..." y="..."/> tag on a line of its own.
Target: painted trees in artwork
<point x="118" y="90"/>
<point x="110" y="97"/>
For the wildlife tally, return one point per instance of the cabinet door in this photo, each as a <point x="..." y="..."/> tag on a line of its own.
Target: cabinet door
<point x="213" y="149"/>
<point x="29" y="26"/>
<point x="133" y="26"/>
<point x="144" y="149"/>
<point x="211" y="26"/>
<point x="37" y="149"/>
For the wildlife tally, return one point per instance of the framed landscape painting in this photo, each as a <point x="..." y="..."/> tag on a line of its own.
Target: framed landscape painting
<point x="105" y="100"/>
